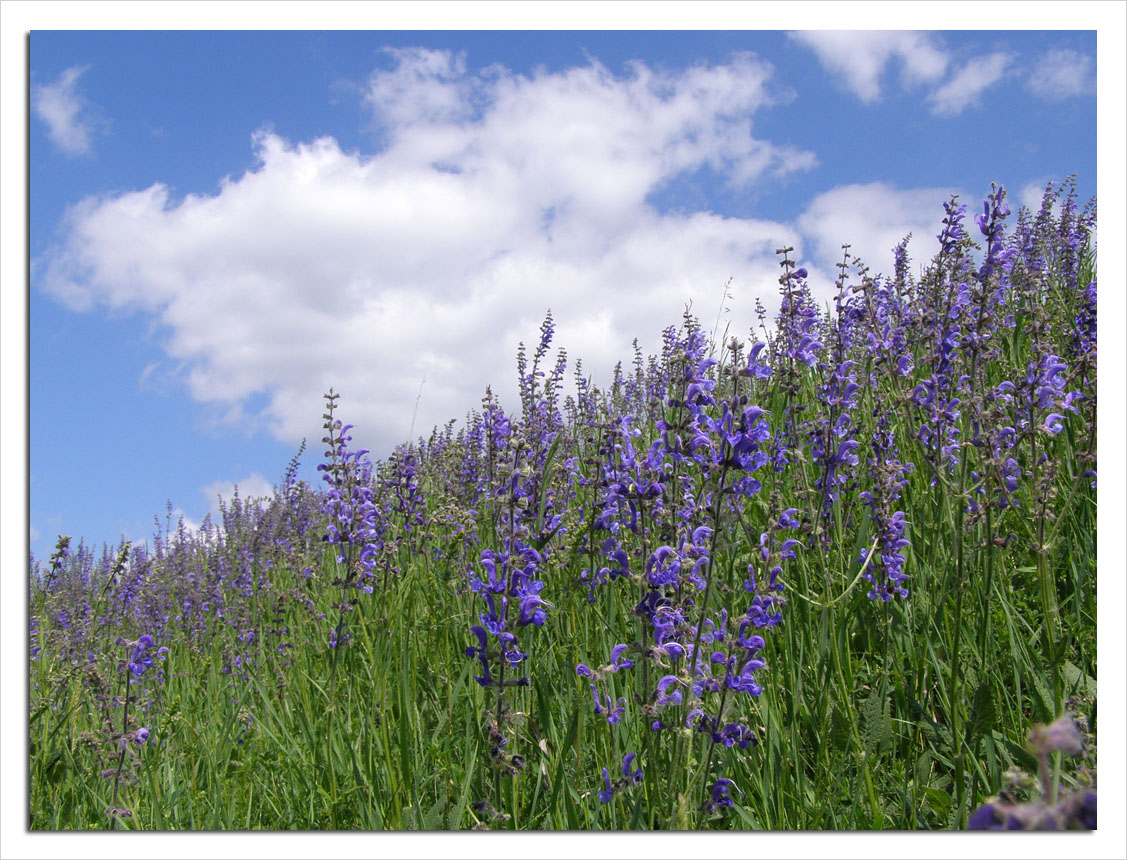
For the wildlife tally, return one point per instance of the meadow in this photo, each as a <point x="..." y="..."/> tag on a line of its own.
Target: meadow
<point x="830" y="573"/>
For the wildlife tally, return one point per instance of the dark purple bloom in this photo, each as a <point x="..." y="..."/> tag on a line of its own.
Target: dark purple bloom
<point x="617" y="661"/>
<point x="140" y="659"/>
<point x="531" y="611"/>
<point x="722" y="793"/>
<point x="663" y="696"/>
<point x="480" y="653"/>
<point x="986" y="817"/>
<point x="739" y="735"/>
<point x="1084" y="813"/>
<point x="613" y="710"/>
<point x="757" y="369"/>
<point x="744" y="681"/>
<point x="608" y="792"/>
<point x="788" y="520"/>
<point x="630" y="777"/>
<point x="952" y="225"/>
<point x="698" y="719"/>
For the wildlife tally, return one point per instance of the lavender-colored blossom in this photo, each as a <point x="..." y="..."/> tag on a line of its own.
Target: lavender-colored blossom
<point x="953" y="231"/>
<point x="607" y="793"/>
<point x="1054" y="423"/>
<point x="722" y="794"/>
<point x="631" y="776"/>
<point x="664" y="696"/>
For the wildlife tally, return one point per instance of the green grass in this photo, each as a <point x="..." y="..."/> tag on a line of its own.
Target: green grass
<point x="864" y="722"/>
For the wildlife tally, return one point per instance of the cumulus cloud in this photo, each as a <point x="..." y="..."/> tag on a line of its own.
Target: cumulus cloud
<point x="1062" y="74"/>
<point x="968" y="83"/>
<point x="873" y="219"/>
<point x="859" y="57"/>
<point x="1032" y="194"/>
<point x="253" y="486"/>
<point x="65" y="111"/>
<point x="495" y="196"/>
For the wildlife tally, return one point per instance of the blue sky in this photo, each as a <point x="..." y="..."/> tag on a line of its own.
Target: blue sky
<point x="224" y="224"/>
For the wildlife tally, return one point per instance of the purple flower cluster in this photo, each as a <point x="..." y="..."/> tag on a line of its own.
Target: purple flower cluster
<point x="141" y="655"/>
<point x="1075" y="810"/>
<point x="511" y="595"/>
<point x="630" y="778"/>
<point x="402" y="484"/>
<point x="889" y="477"/>
<point x="356" y="525"/>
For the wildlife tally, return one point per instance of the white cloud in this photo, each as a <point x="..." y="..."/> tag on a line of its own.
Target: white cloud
<point x="497" y="196"/>
<point x="253" y="486"/>
<point x="426" y="85"/>
<point x="191" y="526"/>
<point x="66" y="113"/>
<point x="1062" y="74"/>
<point x="968" y="83"/>
<point x="1032" y="194"/>
<point x="860" y="57"/>
<point x="169" y="530"/>
<point x="873" y="219"/>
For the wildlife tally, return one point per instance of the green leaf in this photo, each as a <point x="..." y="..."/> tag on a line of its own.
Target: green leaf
<point x="1042" y="698"/>
<point x="454" y="819"/>
<point x="982" y="713"/>
<point x="940" y="802"/>
<point x="1079" y="680"/>
<point x="434" y="814"/>
<point x="876" y="728"/>
<point x="839" y="729"/>
<point x="939" y="739"/>
<point x="557" y="779"/>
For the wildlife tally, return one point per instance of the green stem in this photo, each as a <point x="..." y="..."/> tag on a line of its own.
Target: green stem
<point x="858" y="745"/>
<point x="956" y="663"/>
<point x="121" y="756"/>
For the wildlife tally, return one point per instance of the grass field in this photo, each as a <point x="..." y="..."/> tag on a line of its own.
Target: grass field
<point x="828" y="574"/>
